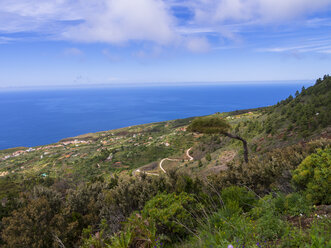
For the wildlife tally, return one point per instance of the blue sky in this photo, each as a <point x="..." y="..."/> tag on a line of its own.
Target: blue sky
<point x="67" y="42"/>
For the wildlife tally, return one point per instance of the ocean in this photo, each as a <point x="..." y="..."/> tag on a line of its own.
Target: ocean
<point x="39" y="117"/>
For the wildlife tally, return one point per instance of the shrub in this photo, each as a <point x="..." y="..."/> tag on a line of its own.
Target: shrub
<point x="31" y="226"/>
<point x="97" y="240"/>
<point x="272" y="170"/>
<point x="245" y="199"/>
<point x="121" y="240"/>
<point x="319" y="234"/>
<point x="314" y="176"/>
<point x="138" y="232"/>
<point x="200" y="163"/>
<point x="293" y="204"/>
<point x="269" y="224"/>
<point x="172" y="213"/>
<point x="235" y="227"/>
<point x="293" y="237"/>
<point x="208" y="157"/>
<point x="296" y="204"/>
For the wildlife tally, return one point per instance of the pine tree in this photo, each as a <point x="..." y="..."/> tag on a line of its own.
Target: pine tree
<point x="216" y="125"/>
<point x="297" y="93"/>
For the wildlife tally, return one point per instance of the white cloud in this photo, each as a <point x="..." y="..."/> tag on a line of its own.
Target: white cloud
<point x="326" y="51"/>
<point x="30" y="15"/>
<point x="5" y="40"/>
<point x="255" y="11"/>
<point x="110" y="21"/>
<point x="319" y="46"/>
<point x="194" y="30"/>
<point x="116" y="21"/>
<point x="122" y="21"/>
<point x="198" y="44"/>
<point x="148" y="51"/>
<point x="282" y="10"/>
<point x="31" y="8"/>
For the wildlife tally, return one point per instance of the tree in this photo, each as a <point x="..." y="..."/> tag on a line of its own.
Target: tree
<point x="31" y="226"/>
<point x="173" y="213"/>
<point x="303" y="91"/>
<point x="213" y="125"/>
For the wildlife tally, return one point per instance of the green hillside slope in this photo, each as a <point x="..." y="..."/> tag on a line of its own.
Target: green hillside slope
<point x="160" y="185"/>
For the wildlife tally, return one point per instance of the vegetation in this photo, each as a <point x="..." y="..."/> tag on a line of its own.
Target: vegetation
<point x="305" y="113"/>
<point x="215" y="125"/>
<point x="313" y="175"/>
<point x="107" y="189"/>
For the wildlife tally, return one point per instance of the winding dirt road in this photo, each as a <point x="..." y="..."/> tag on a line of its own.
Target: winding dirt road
<point x="169" y="159"/>
<point x="148" y="173"/>
<point x="188" y="154"/>
<point x="177" y="160"/>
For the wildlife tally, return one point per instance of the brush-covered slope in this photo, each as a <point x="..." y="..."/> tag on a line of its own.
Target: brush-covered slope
<point x="306" y="113"/>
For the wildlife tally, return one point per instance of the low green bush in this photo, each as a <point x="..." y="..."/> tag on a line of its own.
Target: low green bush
<point x="293" y="204"/>
<point x="97" y="240"/>
<point x="237" y="228"/>
<point x="174" y="214"/>
<point x="270" y="225"/>
<point x="296" y="204"/>
<point x="313" y="176"/>
<point x="319" y="234"/>
<point x="293" y="238"/>
<point x="136" y="232"/>
<point x="245" y="199"/>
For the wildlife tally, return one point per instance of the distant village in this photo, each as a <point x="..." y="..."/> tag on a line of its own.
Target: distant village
<point x="78" y="142"/>
<point x="63" y="144"/>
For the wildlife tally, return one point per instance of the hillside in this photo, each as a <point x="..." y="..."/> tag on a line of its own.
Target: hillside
<point x="159" y="185"/>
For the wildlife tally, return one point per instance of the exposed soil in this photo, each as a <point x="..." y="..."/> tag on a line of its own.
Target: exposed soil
<point x="223" y="160"/>
<point x="322" y="211"/>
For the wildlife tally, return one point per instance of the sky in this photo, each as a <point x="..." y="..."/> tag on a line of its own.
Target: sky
<point x="125" y="42"/>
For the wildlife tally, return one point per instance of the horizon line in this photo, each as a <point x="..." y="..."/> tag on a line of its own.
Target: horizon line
<point x="154" y="84"/>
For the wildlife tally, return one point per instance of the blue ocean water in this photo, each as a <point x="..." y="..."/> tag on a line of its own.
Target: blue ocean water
<point x="31" y="118"/>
